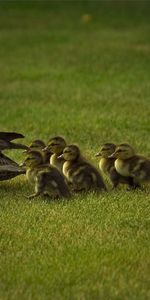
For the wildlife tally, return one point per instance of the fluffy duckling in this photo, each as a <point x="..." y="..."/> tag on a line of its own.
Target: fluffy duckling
<point x="46" y="179"/>
<point x="127" y="163"/>
<point x="39" y="144"/>
<point x="9" y="168"/>
<point x="107" y="166"/>
<point x="80" y="173"/>
<point x="56" y="145"/>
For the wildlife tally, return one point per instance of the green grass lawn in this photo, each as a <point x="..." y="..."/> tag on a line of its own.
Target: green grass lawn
<point x="89" y="82"/>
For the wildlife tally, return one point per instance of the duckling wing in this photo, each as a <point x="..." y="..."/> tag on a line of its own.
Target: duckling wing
<point x="142" y="169"/>
<point x="97" y="179"/>
<point x="86" y="176"/>
<point x="10" y="136"/>
<point x="52" y="180"/>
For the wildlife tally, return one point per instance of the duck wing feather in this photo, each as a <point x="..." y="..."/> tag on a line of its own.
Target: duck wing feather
<point x="10" y="136"/>
<point x="9" y="168"/>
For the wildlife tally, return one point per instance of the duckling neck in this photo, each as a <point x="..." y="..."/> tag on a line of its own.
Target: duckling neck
<point x="66" y="167"/>
<point x="56" y="161"/>
<point x="105" y="164"/>
<point x="32" y="172"/>
<point x="47" y="156"/>
<point x="122" y="167"/>
<point x="70" y="163"/>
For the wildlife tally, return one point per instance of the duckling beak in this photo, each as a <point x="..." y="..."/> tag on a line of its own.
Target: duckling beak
<point x="61" y="156"/>
<point x="22" y="164"/>
<point x="45" y="149"/>
<point x="113" y="155"/>
<point x="98" y="154"/>
<point x="26" y="151"/>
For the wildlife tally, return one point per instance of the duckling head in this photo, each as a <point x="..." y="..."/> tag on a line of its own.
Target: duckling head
<point x="106" y="150"/>
<point x="37" y="144"/>
<point x="71" y="153"/>
<point x="56" y="145"/>
<point x="123" y="151"/>
<point x="34" y="158"/>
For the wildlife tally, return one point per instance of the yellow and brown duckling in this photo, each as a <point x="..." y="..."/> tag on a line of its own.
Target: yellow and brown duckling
<point x="80" y="173"/>
<point x="9" y="168"/>
<point x="46" y="179"/>
<point x="127" y="163"/>
<point x="107" y="166"/>
<point x="39" y="144"/>
<point x="56" y="145"/>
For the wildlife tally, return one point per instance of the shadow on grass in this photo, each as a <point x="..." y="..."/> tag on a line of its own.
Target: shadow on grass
<point x="20" y="189"/>
<point x="14" y="187"/>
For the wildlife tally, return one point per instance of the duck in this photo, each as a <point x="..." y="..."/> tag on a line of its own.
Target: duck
<point x="56" y="145"/>
<point x="39" y="144"/>
<point x="47" y="180"/>
<point x="107" y="166"/>
<point x="8" y="167"/>
<point x="128" y="163"/>
<point x="81" y="174"/>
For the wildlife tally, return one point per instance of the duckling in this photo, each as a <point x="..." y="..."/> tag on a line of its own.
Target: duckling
<point x="127" y="163"/>
<point x="56" y="145"/>
<point x="107" y="166"/>
<point x="46" y="179"/>
<point x="39" y="144"/>
<point x="9" y="168"/>
<point x="80" y="173"/>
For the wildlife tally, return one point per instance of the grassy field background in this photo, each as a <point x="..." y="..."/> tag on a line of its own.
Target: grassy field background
<point x="91" y="83"/>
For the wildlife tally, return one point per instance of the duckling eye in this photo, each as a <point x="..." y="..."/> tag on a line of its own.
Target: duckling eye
<point x="67" y="151"/>
<point x="104" y="149"/>
<point x="119" y="150"/>
<point x="29" y="158"/>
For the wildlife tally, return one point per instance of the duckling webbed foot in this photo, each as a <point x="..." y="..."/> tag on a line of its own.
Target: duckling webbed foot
<point x="33" y="195"/>
<point x="135" y="187"/>
<point x="78" y="190"/>
<point x="132" y="184"/>
<point x="115" y="185"/>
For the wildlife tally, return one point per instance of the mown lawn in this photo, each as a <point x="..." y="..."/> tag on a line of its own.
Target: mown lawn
<point x="89" y="82"/>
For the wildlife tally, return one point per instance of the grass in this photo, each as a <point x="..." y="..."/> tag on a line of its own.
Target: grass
<point x="90" y="83"/>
